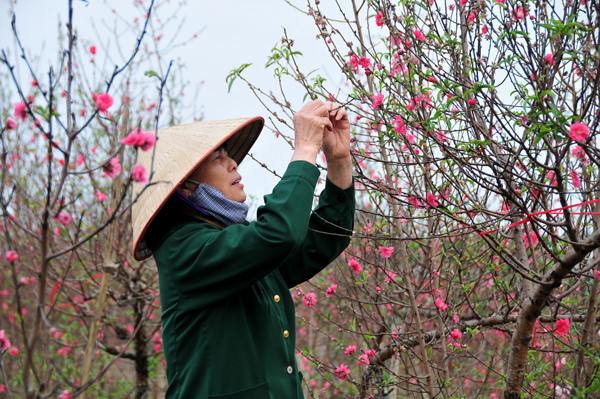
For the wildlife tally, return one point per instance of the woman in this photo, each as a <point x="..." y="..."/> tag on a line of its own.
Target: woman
<point x="227" y="314"/>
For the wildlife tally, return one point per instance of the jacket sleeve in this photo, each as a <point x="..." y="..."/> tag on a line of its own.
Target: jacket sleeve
<point x="328" y="235"/>
<point x="206" y="264"/>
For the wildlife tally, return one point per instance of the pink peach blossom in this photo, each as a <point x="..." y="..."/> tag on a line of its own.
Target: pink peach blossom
<point x="21" y="110"/>
<point x="350" y="350"/>
<point x="579" y="131"/>
<point x="399" y="126"/>
<point x="11" y="256"/>
<point x="138" y="138"/>
<point x="386" y="252"/>
<point x="342" y="372"/>
<point x="578" y="152"/>
<point x="331" y="290"/>
<point x="93" y="50"/>
<point x="364" y="62"/>
<point x="440" y="304"/>
<point x="139" y="174"/>
<point x="379" y="19"/>
<point x="356" y="267"/>
<point x="419" y="35"/>
<point x="432" y="200"/>
<point x="575" y="178"/>
<point x="310" y="299"/>
<point x="10" y="124"/>
<point x="414" y="201"/>
<point x="100" y="196"/>
<point x="104" y="101"/>
<point x="456" y="334"/>
<point x="442" y="137"/>
<point x="363" y="360"/>
<point x="64" y="218"/>
<point x="112" y="168"/>
<point x="377" y="100"/>
<point x="4" y="342"/>
<point x="65" y="395"/>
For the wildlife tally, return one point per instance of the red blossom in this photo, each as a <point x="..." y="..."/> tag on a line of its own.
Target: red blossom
<point x="377" y="100"/>
<point x="342" y="372"/>
<point x="419" y="35"/>
<point x="10" y="124"/>
<point x="578" y="152"/>
<point x="379" y="19"/>
<point x="139" y="174"/>
<point x="562" y="327"/>
<point x="579" y="131"/>
<point x="93" y="50"/>
<point x="440" y="304"/>
<point x="575" y="178"/>
<point x="139" y="138"/>
<point x="112" y="168"/>
<point x="64" y="218"/>
<point x="386" y="252"/>
<point x="21" y="110"/>
<point x="353" y="263"/>
<point x="363" y="360"/>
<point x="331" y="290"/>
<point x="104" y="101"/>
<point x="4" y="342"/>
<point x="310" y="299"/>
<point x="399" y="126"/>
<point x="11" y="256"/>
<point x="432" y="200"/>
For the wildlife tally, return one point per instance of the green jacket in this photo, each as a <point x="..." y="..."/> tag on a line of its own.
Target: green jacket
<point x="228" y="317"/>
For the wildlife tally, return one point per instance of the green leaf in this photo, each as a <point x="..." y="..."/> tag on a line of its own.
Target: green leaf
<point x="150" y="73"/>
<point x="234" y="74"/>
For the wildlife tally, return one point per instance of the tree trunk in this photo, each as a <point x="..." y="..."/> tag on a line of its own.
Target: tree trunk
<point x="531" y="310"/>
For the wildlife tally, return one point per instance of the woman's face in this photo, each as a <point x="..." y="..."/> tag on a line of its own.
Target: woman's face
<point x="219" y="171"/>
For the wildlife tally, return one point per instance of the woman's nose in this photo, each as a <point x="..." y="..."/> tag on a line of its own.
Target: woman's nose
<point x="232" y="164"/>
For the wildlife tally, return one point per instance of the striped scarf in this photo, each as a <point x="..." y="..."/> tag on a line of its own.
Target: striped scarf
<point x="216" y="204"/>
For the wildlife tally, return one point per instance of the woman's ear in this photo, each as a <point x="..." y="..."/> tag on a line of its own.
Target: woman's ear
<point x="183" y="187"/>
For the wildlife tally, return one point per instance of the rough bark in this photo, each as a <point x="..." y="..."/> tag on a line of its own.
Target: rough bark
<point x="532" y="309"/>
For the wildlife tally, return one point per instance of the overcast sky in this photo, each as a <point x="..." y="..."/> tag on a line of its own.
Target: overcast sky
<point x="233" y="32"/>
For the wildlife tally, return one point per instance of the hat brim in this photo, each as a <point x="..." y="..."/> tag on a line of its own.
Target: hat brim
<point x="179" y="150"/>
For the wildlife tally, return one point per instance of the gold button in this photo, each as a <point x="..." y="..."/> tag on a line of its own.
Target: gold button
<point x="286" y="334"/>
<point x="276" y="298"/>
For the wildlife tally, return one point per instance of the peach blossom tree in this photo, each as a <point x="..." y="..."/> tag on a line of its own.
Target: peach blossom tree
<point x="68" y="140"/>
<point x="473" y="267"/>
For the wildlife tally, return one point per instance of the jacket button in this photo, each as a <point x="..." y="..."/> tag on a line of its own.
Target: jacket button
<point x="286" y="334"/>
<point x="276" y="298"/>
<point x="341" y="198"/>
<point x="290" y="370"/>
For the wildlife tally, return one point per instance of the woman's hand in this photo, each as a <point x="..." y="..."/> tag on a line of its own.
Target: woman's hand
<point x="336" y="146"/>
<point x="309" y="124"/>
<point x="336" y="142"/>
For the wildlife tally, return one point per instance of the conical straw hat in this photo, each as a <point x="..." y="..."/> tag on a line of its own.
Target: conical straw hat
<point x="177" y="153"/>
